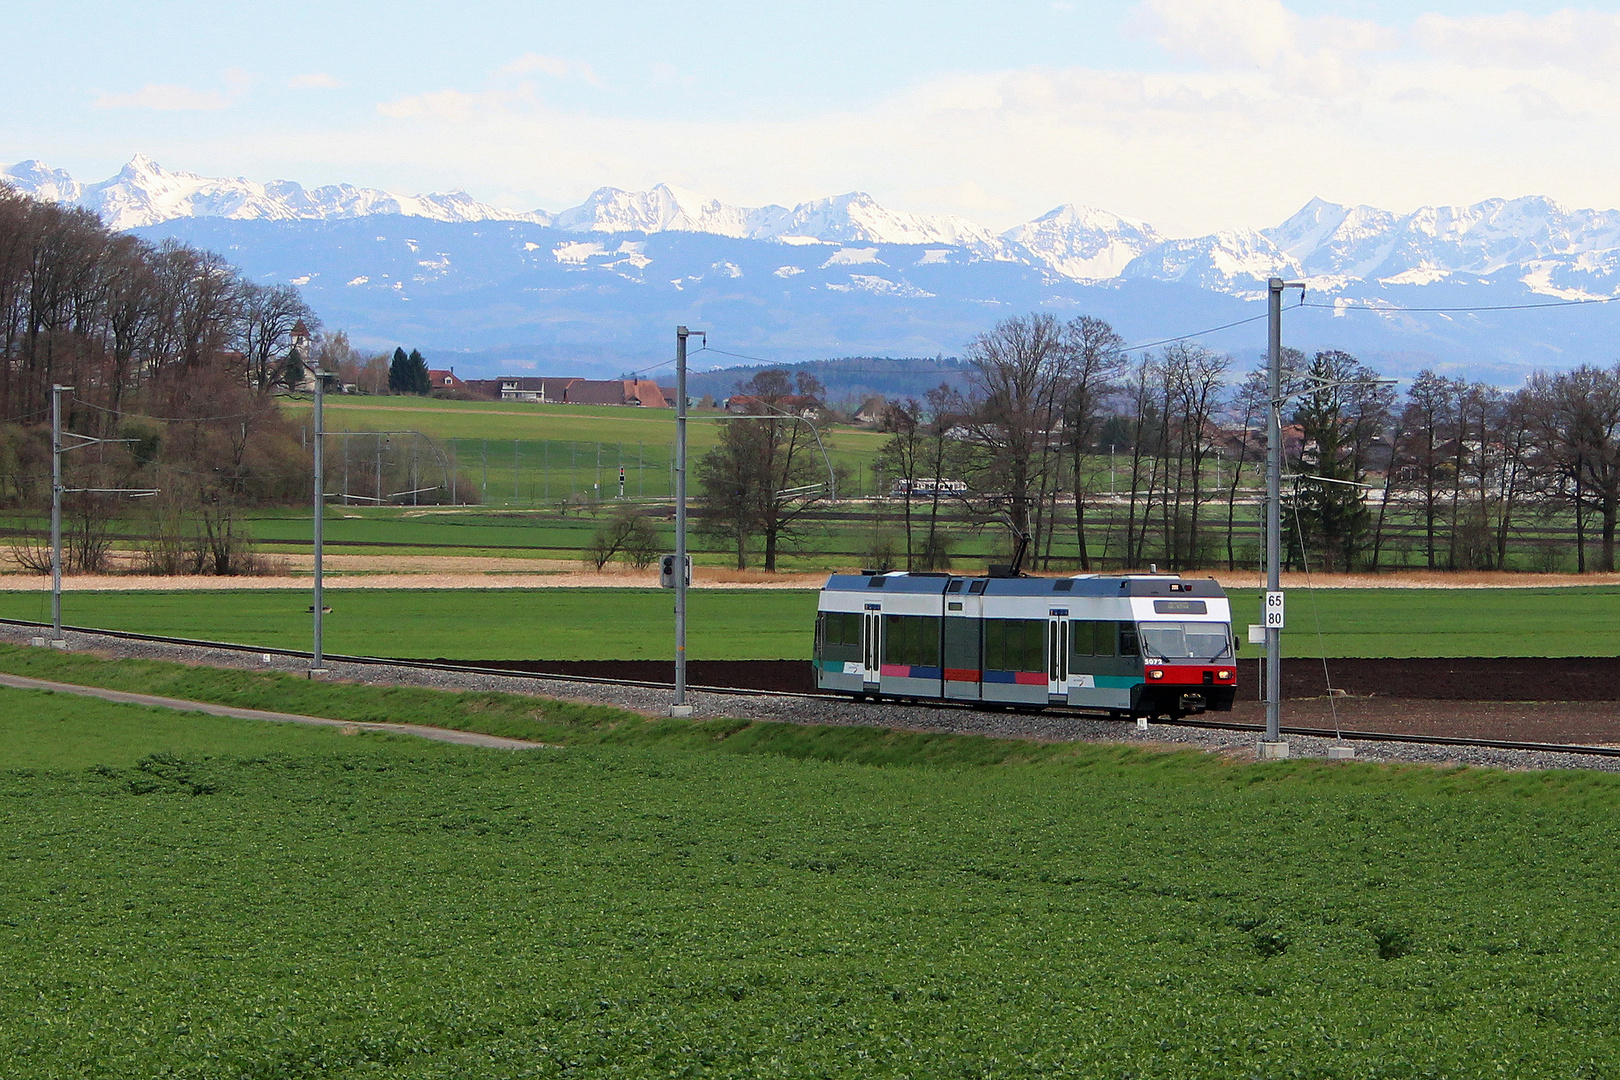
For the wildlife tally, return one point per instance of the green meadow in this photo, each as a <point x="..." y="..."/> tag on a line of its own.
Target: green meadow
<point x="771" y="624"/>
<point x="189" y="897"/>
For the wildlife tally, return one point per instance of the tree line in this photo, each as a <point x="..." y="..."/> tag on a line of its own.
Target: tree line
<point x="1105" y="459"/>
<point x="167" y="349"/>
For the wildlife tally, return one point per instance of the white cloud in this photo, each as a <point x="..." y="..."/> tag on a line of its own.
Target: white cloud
<point x="1580" y="40"/>
<point x="318" y="80"/>
<point x="1265" y="109"/>
<point x="1320" y="56"/>
<point x="166" y="97"/>
<point x="556" y="66"/>
<point x="453" y="106"/>
<point x="172" y="97"/>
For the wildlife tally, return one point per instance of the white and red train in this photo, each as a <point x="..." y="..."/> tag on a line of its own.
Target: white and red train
<point x="1133" y="645"/>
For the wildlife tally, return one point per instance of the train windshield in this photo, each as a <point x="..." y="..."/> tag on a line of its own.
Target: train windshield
<point x="1205" y="641"/>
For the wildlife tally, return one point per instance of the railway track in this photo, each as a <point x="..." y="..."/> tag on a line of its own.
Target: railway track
<point x="737" y="691"/>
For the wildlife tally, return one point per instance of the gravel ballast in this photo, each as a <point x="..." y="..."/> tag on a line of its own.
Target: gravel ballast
<point x="799" y="710"/>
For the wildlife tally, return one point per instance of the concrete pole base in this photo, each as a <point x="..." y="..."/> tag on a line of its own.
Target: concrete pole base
<point x="317" y="672"/>
<point x="1271" y="751"/>
<point x="680" y="711"/>
<point x="1341" y="753"/>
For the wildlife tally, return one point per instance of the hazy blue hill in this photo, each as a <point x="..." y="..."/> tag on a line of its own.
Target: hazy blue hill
<point x="851" y="378"/>
<point x="496" y="297"/>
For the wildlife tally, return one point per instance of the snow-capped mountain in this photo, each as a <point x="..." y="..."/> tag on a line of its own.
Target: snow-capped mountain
<point x="1233" y="261"/>
<point x="1534" y="241"/>
<point x="846" y="275"/>
<point x="1083" y="243"/>
<point x="666" y="209"/>
<point x="856" y="218"/>
<point x="852" y="218"/>
<point x="1550" y="248"/>
<point x="144" y="193"/>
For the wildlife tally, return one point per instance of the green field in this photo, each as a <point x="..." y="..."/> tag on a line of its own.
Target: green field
<point x="483" y="624"/>
<point x="349" y="906"/>
<point x="519" y="453"/>
<point x="43" y="730"/>
<point x="771" y="624"/>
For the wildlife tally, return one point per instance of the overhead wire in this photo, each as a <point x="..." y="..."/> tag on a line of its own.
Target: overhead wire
<point x="165" y="419"/>
<point x="1128" y="348"/>
<point x="1363" y="306"/>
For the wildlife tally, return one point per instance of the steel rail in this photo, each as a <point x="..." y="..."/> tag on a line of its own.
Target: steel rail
<point x="736" y="691"/>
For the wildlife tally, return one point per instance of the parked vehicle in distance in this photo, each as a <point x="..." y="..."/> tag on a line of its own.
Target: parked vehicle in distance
<point x="1131" y="645"/>
<point x="927" y="486"/>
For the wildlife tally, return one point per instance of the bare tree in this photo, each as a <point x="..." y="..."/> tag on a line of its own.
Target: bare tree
<point x="760" y="479"/>
<point x="267" y="315"/>
<point x="1093" y="359"/>
<point x="1575" y="418"/>
<point x="1019" y="377"/>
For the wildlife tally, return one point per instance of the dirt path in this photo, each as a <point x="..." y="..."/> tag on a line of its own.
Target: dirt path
<point x="463" y="738"/>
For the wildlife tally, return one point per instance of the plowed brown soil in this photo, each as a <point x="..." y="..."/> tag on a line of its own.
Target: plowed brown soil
<point x="1564" y="700"/>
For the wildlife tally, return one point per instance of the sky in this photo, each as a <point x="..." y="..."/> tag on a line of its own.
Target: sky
<point x="1192" y="115"/>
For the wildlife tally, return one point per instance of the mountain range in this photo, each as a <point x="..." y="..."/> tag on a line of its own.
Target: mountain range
<point x="844" y="275"/>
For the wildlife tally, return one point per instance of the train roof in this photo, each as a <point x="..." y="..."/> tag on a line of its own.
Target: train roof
<point x="1078" y="585"/>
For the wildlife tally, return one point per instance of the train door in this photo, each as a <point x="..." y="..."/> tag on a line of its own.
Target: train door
<point x="1057" y="656"/>
<point x="871" y="648"/>
<point x="964" y="643"/>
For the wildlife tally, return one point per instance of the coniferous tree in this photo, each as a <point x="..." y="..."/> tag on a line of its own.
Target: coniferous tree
<point x="292" y="371"/>
<point x="417" y="374"/>
<point x="399" y="373"/>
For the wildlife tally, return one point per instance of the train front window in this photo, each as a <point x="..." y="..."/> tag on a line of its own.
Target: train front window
<point x="1206" y="642"/>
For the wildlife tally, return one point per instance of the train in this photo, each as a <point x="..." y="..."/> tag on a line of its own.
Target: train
<point x="1131" y="645"/>
<point x="927" y="486"/>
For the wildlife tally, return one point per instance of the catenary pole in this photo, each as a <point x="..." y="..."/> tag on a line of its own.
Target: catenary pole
<point x="680" y="708"/>
<point x="316" y="662"/>
<point x="1273" y="746"/>
<point x="56" y="513"/>
<point x="1274" y="450"/>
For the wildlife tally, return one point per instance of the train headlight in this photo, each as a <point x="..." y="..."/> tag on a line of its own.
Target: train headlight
<point x="1156" y="673"/>
<point x="1223" y="674"/>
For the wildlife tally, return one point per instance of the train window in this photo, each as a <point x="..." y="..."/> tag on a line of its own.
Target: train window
<point x="1063" y="585"/>
<point x="1088" y="638"/>
<point x="1015" y="644"/>
<point x="842" y="627"/>
<point x="955" y="586"/>
<point x="1080" y="635"/>
<point x="1186" y="641"/>
<point x="911" y="639"/>
<point x="1127" y="640"/>
<point x="977" y="587"/>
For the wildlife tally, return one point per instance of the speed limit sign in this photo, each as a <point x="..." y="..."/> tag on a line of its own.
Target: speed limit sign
<point x="1274" y="610"/>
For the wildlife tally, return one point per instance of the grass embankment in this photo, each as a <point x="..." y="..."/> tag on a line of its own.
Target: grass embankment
<point x="418" y="910"/>
<point x="564" y="723"/>
<point x="742" y="624"/>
